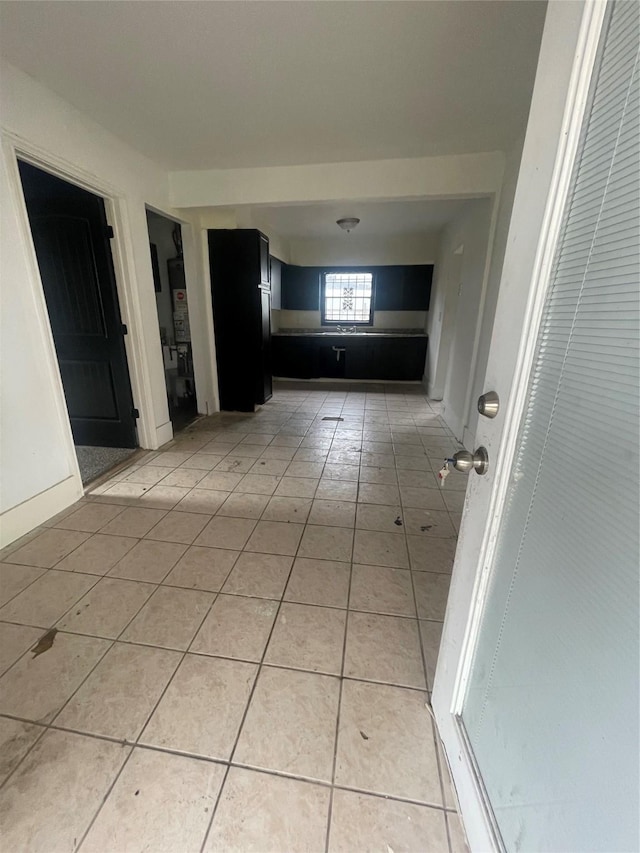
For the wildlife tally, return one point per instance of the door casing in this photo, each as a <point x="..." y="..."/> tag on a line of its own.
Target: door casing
<point x="567" y="57"/>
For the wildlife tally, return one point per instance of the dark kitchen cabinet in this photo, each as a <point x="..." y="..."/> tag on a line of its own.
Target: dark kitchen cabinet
<point x="403" y="288"/>
<point x="363" y="357"/>
<point x="300" y="288"/>
<point x="239" y="261"/>
<point x="275" y="275"/>
<point x="295" y="357"/>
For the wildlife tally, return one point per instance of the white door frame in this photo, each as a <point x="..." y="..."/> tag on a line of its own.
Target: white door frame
<point x="567" y="56"/>
<point x="15" y="148"/>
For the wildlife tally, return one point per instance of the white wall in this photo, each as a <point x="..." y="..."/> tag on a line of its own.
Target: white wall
<point x="471" y="229"/>
<point x="462" y="176"/>
<point x="39" y="468"/>
<point x="354" y="249"/>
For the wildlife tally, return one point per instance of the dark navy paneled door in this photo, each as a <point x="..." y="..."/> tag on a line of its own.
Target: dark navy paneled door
<point x="71" y="238"/>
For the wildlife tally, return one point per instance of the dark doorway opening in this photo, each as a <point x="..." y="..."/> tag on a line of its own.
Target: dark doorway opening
<point x="172" y="303"/>
<point x="72" y="237"/>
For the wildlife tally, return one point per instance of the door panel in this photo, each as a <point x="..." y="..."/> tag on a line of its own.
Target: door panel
<point x="266" y="391"/>
<point x="71" y="240"/>
<point x="549" y="709"/>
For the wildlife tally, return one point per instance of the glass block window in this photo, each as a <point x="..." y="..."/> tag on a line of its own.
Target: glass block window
<point x="347" y="297"/>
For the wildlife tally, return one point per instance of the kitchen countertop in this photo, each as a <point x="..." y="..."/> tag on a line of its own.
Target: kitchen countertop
<point x="324" y="333"/>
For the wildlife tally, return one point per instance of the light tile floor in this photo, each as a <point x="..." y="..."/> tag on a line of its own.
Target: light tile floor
<point x="248" y="625"/>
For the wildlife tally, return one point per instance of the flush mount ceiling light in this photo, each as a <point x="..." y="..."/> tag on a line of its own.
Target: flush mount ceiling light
<point x="348" y="223"/>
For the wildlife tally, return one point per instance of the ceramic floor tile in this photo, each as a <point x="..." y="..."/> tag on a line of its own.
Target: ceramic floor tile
<point x="312" y="470"/>
<point x="36" y="688"/>
<point x="429" y="523"/>
<point x="372" y="493"/>
<point x="347" y="473"/>
<point x="398" y="756"/>
<point x="310" y="454"/>
<point x="206" y="501"/>
<point x="120" y="492"/>
<point x="202" y="690"/>
<point x="235" y="464"/>
<point x="172" y="458"/>
<point x="380" y="549"/>
<point x="337" y="490"/>
<point x="16" y="739"/>
<point x="172" y="803"/>
<point x="269" y="814"/>
<point x="202" y="568"/>
<point x="97" y="555"/>
<point x="236" y="627"/>
<point x="276" y="467"/>
<point x="231" y="533"/>
<point x="380" y="589"/>
<point x="384" y="648"/>
<point x="149" y="475"/>
<point x="262" y="575"/>
<point x="148" y="561"/>
<point x="290" y="724"/>
<point x="107" y="609"/>
<point x="286" y="440"/>
<point x="287" y="509"/>
<point x="454" y="501"/>
<point x="432" y="591"/>
<point x="67" y="775"/>
<point x="322" y="582"/>
<point x="430" y="634"/>
<point x="378" y="476"/>
<point x="421" y="498"/>
<point x="134" y="521"/>
<point x="14" y="642"/>
<point x="378" y="460"/>
<point x="163" y="497"/>
<point x="258" y="484"/>
<point x="221" y="481"/>
<point x="360" y="822"/>
<point x="14" y="578"/>
<point x="275" y="537"/>
<point x="431" y="554"/>
<point x="308" y="637"/>
<point x="48" y="548"/>
<point x="249" y="451"/>
<point x="379" y="517"/>
<point x="203" y="461"/>
<point x="90" y="517"/>
<point x="170" y="618"/>
<point x="329" y="543"/>
<point x="418" y="479"/>
<point x="284" y="454"/>
<point x="47" y="599"/>
<point x="296" y="487"/>
<point x="333" y="513"/>
<point x="178" y="527"/>
<point x="187" y="477"/>
<point x="120" y="694"/>
<point x="415" y="463"/>
<point x="239" y="505"/>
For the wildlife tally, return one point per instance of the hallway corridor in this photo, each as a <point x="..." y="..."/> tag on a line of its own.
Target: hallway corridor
<point x="248" y="623"/>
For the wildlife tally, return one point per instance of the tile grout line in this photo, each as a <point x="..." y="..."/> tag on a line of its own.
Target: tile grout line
<point x="250" y="697"/>
<point x="134" y="743"/>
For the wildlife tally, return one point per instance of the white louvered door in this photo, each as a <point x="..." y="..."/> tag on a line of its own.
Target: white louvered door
<point x="550" y="712"/>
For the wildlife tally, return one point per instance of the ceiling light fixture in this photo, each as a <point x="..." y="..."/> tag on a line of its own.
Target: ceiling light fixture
<point x="348" y="223"/>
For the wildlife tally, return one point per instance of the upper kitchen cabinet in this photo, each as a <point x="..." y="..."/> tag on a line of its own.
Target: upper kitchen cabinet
<point x="239" y="261"/>
<point x="403" y="288"/>
<point x="301" y="288"/>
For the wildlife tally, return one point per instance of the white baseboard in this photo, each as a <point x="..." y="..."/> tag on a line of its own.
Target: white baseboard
<point x="164" y="434"/>
<point x="18" y="520"/>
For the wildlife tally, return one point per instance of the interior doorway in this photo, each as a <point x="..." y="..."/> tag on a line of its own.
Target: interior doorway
<point x="165" y="243"/>
<point x="71" y="238"/>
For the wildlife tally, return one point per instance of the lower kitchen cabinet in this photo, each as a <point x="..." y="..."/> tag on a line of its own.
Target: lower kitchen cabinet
<point x="344" y="357"/>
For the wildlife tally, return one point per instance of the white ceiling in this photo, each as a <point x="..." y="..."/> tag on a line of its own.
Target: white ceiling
<point x="377" y="219"/>
<point x="230" y="84"/>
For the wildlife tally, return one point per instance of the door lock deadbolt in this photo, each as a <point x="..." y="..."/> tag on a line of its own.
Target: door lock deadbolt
<point x="489" y="404"/>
